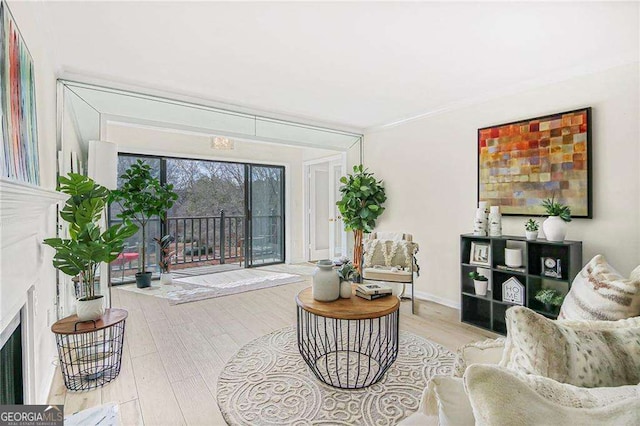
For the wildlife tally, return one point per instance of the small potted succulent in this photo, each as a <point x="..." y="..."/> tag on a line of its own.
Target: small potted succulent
<point x="166" y="256"/>
<point x="347" y="273"/>
<point x="550" y="298"/>
<point x="531" y="229"/>
<point x="555" y="226"/>
<point x="480" y="283"/>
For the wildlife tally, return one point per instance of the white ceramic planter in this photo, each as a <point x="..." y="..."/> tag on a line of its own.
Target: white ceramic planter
<point x="531" y="235"/>
<point x="513" y="257"/>
<point x="326" y="283"/>
<point x="345" y="289"/>
<point x="90" y="309"/>
<point x="166" y="278"/>
<point x="555" y="229"/>
<point x="480" y="287"/>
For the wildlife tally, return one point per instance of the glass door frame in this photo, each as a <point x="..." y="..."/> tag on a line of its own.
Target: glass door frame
<point x="248" y="226"/>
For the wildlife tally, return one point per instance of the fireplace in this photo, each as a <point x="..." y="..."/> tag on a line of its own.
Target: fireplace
<point x="11" y="377"/>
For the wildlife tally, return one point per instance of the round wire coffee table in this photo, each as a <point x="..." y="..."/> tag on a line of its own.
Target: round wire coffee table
<point x="348" y="343"/>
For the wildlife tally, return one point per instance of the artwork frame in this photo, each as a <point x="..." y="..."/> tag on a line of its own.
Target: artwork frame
<point x="18" y="110"/>
<point x="480" y="254"/>
<point x="520" y="163"/>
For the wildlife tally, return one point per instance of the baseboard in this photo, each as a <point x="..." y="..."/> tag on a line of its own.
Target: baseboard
<point x="437" y="299"/>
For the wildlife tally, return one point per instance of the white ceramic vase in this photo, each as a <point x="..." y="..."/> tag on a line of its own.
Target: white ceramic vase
<point x="531" y="235"/>
<point x="90" y="309"/>
<point x="166" y="278"/>
<point x="480" y="287"/>
<point x="326" y="283"/>
<point x="495" y="222"/>
<point x="480" y="223"/>
<point x="345" y="289"/>
<point x="555" y="229"/>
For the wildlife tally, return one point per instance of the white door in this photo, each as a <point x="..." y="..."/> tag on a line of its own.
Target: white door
<point x="327" y="238"/>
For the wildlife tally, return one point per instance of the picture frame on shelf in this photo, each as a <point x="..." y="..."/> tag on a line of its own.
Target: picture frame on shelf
<point x="480" y="254"/>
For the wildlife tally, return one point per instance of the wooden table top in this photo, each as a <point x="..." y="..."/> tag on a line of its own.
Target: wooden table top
<point x="67" y="325"/>
<point x="354" y="308"/>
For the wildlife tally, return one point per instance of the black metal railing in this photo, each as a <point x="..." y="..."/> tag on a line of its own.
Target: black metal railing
<point x="207" y="238"/>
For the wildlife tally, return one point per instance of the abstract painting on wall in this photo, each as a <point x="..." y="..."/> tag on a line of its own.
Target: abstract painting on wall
<point x="17" y="105"/>
<point x="522" y="163"/>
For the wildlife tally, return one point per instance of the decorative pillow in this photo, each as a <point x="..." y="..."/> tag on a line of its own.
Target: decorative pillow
<point x="501" y="397"/>
<point x="635" y="274"/>
<point x="485" y="352"/>
<point x="446" y="398"/>
<point x="389" y="253"/>
<point x="599" y="292"/>
<point x="581" y="353"/>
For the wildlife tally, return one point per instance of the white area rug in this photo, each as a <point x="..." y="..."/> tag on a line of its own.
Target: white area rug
<point x="268" y="383"/>
<point x="191" y="289"/>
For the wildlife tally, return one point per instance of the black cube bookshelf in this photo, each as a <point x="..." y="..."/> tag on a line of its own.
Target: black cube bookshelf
<point x="488" y="311"/>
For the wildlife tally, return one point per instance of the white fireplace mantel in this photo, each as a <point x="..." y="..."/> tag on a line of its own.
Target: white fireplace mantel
<point x="19" y="199"/>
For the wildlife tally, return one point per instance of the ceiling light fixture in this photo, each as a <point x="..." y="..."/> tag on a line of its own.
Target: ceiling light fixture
<point x="222" y="143"/>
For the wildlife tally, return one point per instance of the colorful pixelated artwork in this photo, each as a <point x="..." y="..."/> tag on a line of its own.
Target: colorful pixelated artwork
<point x="522" y="163"/>
<point x="19" y="146"/>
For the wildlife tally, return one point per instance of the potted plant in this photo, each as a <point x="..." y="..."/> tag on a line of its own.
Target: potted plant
<point x="480" y="283"/>
<point x="360" y="206"/>
<point x="347" y="273"/>
<point x="141" y="198"/>
<point x="550" y="298"/>
<point x="531" y="229"/>
<point x="555" y="226"/>
<point x="88" y="245"/>
<point x="166" y="256"/>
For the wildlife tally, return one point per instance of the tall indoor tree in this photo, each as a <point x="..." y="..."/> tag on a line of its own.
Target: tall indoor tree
<point x="141" y="198"/>
<point x="362" y="202"/>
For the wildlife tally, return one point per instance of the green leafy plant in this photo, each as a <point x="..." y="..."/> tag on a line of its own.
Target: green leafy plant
<point x="361" y="204"/>
<point x="347" y="272"/>
<point x="554" y="208"/>
<point x="549" y="296"/>
<point x="142" y="197"/>
<point x="166" y="254"/>
<point x="477" y="277"/>
<point x="80" y="255"/>
<point x="531" y="225"/>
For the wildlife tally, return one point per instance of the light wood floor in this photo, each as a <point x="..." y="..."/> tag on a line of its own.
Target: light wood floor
<point x="173" y="354"/>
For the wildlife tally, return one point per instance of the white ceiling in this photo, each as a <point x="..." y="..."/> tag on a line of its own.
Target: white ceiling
<point x="359" y="65"/>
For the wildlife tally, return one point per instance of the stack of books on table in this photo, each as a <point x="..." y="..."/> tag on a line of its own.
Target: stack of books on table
<point x="373" y="291"/>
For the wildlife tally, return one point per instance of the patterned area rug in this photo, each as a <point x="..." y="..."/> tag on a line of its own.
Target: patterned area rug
<point x="191" y="289"/>
<point x="268" y="383"/>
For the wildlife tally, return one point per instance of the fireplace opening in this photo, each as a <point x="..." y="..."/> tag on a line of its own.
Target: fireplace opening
<point x="11" y="378"/>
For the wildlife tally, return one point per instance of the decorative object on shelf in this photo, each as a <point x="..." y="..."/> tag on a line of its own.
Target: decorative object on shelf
<point x="18" y="121"/>
<point x="509" y="268"/>
<point x="480" y="254"/>
<point x="513" y="257"/>
<point x="513" y="291"/>
<point x="326" y="283"/>
<point x="480" y="283"/>
<point x="166" y="256"/>
<point x="551" y="267"/>
<point x="552" y="153"/>
<point x="550" y="297"/>
<point x="495" y="222"/>
<point x="360" y="206"/>
<point x="347" y="273"/>
<point x="555" y="226"/>
<point x="141" y="198"/>
<point x="480" y="223"/>
<point x="88" y="246"/>
<point x="531" y="230"/>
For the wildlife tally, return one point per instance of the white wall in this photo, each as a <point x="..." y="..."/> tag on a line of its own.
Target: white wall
<point x="33" y="267"/>
<point x="151" y="141"/>
<point x="429" y="167"/>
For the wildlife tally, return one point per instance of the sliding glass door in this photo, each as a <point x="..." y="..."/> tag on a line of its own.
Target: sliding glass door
<point x="265" y="214"/>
